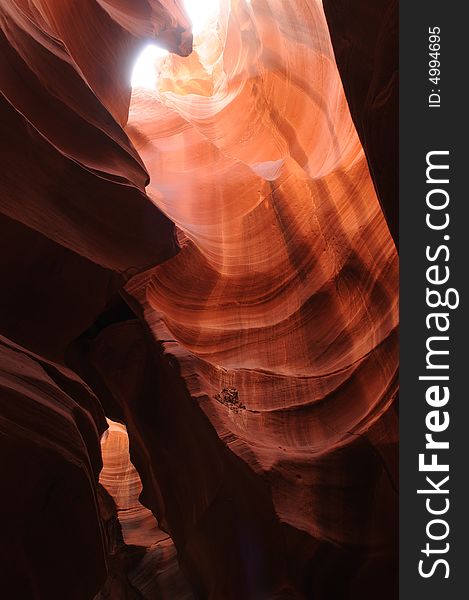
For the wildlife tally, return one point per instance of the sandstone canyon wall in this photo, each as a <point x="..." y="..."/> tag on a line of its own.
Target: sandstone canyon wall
<point x="199" y="305"/>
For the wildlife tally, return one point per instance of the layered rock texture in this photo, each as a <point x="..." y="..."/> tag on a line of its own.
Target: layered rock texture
<point x="199" y="308"/>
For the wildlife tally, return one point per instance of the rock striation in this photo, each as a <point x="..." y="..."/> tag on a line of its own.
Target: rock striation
<point x="199" y="318"/>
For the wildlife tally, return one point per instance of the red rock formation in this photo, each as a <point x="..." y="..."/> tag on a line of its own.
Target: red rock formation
<point x="211" y="258"/>
<point x="365" y="40"/>
<point x="61" y="116"/>
<point x="144" y="555"/>
<point x="50" y="424"/>
<point x="281" y="308"/>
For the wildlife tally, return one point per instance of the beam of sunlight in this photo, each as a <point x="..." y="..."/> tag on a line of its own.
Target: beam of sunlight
<point x="201" y="12"/>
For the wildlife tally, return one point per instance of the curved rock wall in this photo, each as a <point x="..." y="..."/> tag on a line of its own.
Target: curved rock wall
<point x="281" y="307"/>
<point x="215" y="260"/>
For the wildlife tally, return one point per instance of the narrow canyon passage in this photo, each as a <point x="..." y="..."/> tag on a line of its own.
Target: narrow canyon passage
<point x="199" y="326"/>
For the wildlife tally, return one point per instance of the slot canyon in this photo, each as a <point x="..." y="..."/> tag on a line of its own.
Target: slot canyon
<point x="199" y="307"/>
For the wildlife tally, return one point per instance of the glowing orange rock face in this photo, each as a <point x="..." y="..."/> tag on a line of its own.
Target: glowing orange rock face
<point x="121" y="480"/>
<point x="255" y="366"/>
<point x="153" y="572"/>
<point x="285" y="288"/>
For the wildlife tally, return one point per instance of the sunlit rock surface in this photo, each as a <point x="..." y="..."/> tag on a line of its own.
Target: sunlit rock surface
<point x="143" y="556"/>
<point x="281" y="307"/>
<point x="206" y="261"/>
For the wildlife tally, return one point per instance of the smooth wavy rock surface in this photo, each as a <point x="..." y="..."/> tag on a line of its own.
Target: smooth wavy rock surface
<point x="62" y="112"/>
<point x="144" y="555"/>
<point x="365" y="39"/>
<point x="210" y="265"/>
<point x="50" y="425"/>
<point x="281" y="307"/>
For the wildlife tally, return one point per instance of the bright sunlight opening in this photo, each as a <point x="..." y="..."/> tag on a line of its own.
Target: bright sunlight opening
<point x="201" y="13"/>
<point x="144" y="72"/>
